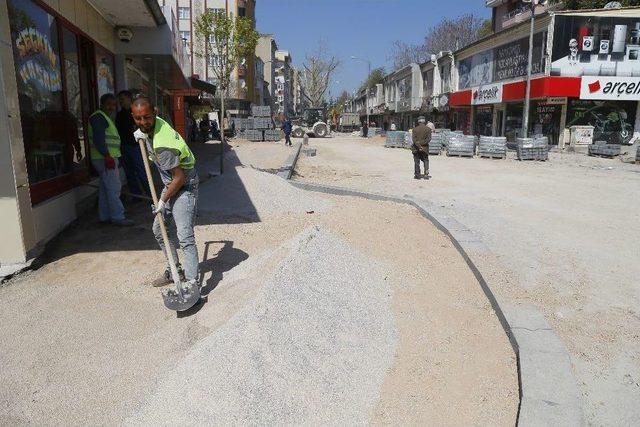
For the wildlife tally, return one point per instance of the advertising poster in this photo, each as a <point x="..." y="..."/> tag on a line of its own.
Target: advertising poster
<point x="612" y="121"/>
<point x="505" y="62"/>
<point x="34" y="37"/>
<point x="104" y="70"/>
<point x="594" y="46"/>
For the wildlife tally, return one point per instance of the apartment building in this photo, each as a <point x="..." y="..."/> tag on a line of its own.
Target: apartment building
<point x="266" y="50"/>
<point x="243" y="80"/>
<point x="284" y="83"/>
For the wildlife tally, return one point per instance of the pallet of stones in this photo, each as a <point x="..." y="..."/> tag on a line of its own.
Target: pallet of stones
<point x="435" y="145"/>
<point x="241" y="124"/>
<point x="638" y="154"/>
<point x="461" y="146"/>
<point x="261" y="111"/>
<point x="532" y="148"/>
<point x="494" y="147"/>
<point x="262" y="123"/>
<point x="272" y="135"/>
<point x="254" y="135"/>
<point x="602" y="149"/>
<point x="396" y="139"/>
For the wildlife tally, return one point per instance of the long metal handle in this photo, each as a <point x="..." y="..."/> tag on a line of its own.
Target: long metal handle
<point x="159" y="216"/>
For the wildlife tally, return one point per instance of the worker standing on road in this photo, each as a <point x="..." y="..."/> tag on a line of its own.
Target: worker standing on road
<point x="178" y="200"/>
<point x="365" y="130"/>
<point x="420" y="148"/>
<point x="131" y="156"/>
<point x="104" y="145"/>
<point x="286" y="128"/>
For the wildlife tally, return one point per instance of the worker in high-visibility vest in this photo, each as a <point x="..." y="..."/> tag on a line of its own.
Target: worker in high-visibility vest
<point x="176" y="164"/>
<point x="104" y="145"/>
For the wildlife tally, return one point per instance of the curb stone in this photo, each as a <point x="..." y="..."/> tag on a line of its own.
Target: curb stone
<point x="549" y="393"/>
<point x="287" y="170"/>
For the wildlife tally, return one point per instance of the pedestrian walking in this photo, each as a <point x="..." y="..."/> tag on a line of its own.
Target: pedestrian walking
<point x="178" y="200"/>
<point x="420" y="148"/>
<point x="104" y="146"/>
<point x="286" y="128"/>
<point x="131" y="156"/>
<point x="365" y="130"/>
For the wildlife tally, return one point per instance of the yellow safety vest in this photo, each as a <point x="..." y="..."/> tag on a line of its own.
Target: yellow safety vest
<point x="164" y="136"/>
<point x="112" y="138"/>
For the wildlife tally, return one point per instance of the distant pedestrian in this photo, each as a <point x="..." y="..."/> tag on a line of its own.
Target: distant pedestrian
<point x="131" y="155"/>
<point x="421" y="137"/>
<point x="286" y="128"/>
<point x="365" y="130"/>
<point x="393" y="126"/>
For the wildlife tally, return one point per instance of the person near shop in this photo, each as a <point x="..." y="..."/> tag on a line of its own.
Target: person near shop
<point x="131" y="155"/>
<point x="178" y="200"/>
<point x="104" y="146"/>
<point x="420" y="148"/>
<point x="393" y="126"/>
<point x="286" y="128"/>
<point x="365" y="130"/>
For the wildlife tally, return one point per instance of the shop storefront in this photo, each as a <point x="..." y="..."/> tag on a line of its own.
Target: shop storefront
<point x="483" y="120"/>
<point x="60" y="75"/>
<point x="613" y="121"/>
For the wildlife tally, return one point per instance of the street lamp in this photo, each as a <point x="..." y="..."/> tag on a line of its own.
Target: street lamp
<point x="366" y="107"/>
<point x="527" y="96"/>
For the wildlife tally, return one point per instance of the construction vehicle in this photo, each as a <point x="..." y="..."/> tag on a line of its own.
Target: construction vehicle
<point x="348" y="122"/>
<point x="313" y="123"/>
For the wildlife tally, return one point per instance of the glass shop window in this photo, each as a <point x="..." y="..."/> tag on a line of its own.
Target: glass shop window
<point x="34" y="38"/>
<point x="104" y="71"/>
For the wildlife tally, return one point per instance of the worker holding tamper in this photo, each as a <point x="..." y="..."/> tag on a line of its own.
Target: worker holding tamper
<point x="178" y="200"/>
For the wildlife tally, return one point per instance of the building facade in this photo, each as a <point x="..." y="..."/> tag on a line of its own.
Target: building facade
<point x="58" y="58"/>
<point x="266" y="50"/>
<point x="284" y="83"/>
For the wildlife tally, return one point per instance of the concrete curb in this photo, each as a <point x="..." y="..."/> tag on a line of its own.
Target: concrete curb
<point x="549" y="393"/>
<point x="287" y="170"/>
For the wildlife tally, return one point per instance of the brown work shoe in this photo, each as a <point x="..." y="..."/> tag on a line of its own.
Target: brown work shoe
<point x="165" y="278"/>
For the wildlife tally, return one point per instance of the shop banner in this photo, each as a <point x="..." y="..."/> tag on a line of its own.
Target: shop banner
<point x="502" y="63"/>
<point x="610" y="88"/>
<point x="487" y="94"/>
<point x="596" y="46"/>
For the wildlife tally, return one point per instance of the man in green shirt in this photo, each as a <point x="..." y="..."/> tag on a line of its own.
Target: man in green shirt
<point x="176" y="164"/>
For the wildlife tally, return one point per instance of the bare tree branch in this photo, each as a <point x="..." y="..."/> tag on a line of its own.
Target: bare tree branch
<point x="316" y="74"/>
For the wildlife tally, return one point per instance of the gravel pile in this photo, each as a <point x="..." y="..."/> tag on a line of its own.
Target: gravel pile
<point x="254" y="194"/>
<point x="312" y="348"/>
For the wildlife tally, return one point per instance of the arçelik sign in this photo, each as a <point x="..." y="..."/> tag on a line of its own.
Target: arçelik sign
<point x="487" y="94"/>
<point x="610" y="88"/>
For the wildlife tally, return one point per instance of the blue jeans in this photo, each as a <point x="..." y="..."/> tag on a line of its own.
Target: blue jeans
<point x="109" y="205"/>
<point x="181" y="210"/>
<point x="134" y="169"/>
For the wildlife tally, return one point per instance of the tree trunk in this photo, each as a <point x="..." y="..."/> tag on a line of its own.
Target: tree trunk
<point x="222" y="137"/>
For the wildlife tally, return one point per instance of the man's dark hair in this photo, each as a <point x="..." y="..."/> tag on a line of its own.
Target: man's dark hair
<point x="107" y="96"/>
<point x="126" y="93"/>
<point x="140" y="100"/>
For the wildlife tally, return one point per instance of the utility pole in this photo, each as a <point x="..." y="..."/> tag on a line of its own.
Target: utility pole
<point x="527" y="96"/>
<point x="367" y="85"/>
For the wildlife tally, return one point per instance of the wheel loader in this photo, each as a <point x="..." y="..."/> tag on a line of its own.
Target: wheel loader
<point x="313" y="123"/>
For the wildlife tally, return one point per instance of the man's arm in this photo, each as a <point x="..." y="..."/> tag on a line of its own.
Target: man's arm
<point x="99" y="126"/>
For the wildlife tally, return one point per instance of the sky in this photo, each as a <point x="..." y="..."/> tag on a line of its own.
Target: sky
<point x="362" y="28"/>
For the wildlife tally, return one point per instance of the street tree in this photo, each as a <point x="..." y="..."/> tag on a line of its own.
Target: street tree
<point x="376" y="77"/>
<point x="224" y="41"/>
<point x="316" y="73"/>
<point x="449" y="34"/>
<point x="590" y="4"/>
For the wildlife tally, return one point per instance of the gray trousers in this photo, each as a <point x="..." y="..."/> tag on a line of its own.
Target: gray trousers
<point x="417" y="158"/>
<point x="181" y="211"/>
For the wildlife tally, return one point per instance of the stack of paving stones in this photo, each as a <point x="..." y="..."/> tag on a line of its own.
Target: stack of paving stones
<point x="461" y="146"/>
<point x="272" y="135"/>
<point x="532" y="148"/>
<point x="602" y="149"/>
<point x="261" y="111"/>
<point x="395" y="139"/>
<point x="435" y="145"/>
<point x="444" y="133"/>
<point x="494" y="147"/>
<point x="638" y="154"/>
<point x="254" y="135"/>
